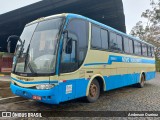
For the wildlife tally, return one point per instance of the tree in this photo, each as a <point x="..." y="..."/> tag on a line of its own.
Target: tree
<point x="150" y="31"/>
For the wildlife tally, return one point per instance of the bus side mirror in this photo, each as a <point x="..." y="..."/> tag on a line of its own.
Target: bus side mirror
<point x="68" y="48"/>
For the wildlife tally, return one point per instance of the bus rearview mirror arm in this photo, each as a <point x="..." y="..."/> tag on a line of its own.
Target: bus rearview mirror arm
<point x="66" y="32"/>
<point x="9" y="41"/>
<point x="68" y="48"/>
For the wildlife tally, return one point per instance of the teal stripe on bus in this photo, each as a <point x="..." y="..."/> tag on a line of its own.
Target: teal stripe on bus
<point x="34" y="82"/>
<point x="113" y="58"/>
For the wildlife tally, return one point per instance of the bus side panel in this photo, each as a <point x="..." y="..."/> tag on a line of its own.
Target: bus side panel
<point x="113" y="82"/>
<point x="81" y="87"/>
<point x="150" y="75"/>
<point x="136" y="77"/>
<point x="130" y="79"/>
<point x="73" y="89"/>
<point x="117" y="81"/>
<point x="67" y="90"/>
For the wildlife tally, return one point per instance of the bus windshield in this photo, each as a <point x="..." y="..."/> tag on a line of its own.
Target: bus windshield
<point x="37" y="54"/>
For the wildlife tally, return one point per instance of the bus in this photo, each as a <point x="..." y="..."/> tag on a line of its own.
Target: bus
<point x="68" y="56"/>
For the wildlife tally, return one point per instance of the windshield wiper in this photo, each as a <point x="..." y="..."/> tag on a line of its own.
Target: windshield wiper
<point x="31" y="69"/>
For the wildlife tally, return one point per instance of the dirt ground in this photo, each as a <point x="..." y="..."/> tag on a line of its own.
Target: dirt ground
<point x="5" y="89"/>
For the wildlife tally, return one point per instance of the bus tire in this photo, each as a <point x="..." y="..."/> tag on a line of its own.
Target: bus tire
<point x="142" y="82"/>
<point x="94" y="91"/>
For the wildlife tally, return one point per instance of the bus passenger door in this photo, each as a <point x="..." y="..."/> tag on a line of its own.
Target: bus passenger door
<point x="68" y="65"/>
<point x="75" y="46"/>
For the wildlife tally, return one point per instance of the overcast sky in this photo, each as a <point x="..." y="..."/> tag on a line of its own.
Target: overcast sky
<point x="132" y="9"/>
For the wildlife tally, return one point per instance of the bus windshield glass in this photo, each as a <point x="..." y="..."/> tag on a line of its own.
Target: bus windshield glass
<point x="37" y="53"/>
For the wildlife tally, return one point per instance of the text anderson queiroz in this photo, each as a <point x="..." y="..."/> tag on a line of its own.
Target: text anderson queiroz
<point x="143" y="114"/>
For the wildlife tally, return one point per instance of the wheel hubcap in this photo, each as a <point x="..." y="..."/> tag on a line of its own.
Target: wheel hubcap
<point x="93" y="90"/>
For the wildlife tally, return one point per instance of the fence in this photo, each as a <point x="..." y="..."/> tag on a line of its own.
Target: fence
<point x="6" y="63"/>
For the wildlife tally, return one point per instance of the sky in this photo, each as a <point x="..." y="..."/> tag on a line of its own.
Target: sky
<point x="132" y="9"/>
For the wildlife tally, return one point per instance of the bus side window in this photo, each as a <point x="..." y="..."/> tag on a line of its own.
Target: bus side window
<point x="119" y="43"/>
<point x="144" y="50"/>
<point x="115" y="42"/>
<point x="96" y="38"/>
<point x="104" y="38"/>
<point x="99" y="38"/>
<point x="112" y="41"/>
<point x="69" y="61"/>
<point x="69" y="58"/>
<point x="128" y="45"/>
<point x="152" y="50"/>
<point x="77" y="31"/>
<point x="137" y="48"/>
<point x="149" y="51"/>
<point x="140" y="48"/>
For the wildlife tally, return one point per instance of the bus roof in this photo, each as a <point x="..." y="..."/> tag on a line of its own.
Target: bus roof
<point x="71" y="15"/>
<point x="48" y="17"/>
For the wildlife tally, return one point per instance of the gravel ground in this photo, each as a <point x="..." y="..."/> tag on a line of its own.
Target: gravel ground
<point x="123" y="99"/>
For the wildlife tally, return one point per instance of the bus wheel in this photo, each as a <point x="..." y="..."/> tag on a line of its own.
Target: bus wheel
<point x="142" y="82"/>
<point x="94" y="91"/>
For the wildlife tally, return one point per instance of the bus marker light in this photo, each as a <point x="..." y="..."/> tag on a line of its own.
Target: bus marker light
<point x="36" y="97"/>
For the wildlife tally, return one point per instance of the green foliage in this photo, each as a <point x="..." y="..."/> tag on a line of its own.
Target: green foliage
<point x="1" y="54"/>
<point x="150" y="31"/>
<point x="158" y="64"/>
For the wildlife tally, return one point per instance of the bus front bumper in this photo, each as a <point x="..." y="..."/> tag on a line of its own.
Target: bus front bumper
<point x="46" y="96"/>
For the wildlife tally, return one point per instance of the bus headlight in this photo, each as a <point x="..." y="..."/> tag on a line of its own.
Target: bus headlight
<point x="44" y="86"/>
